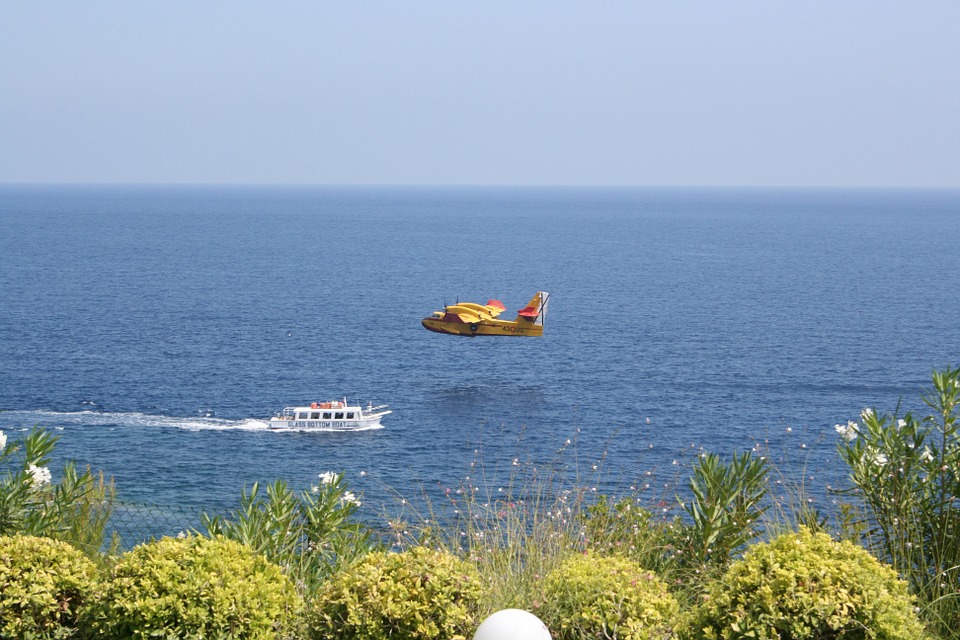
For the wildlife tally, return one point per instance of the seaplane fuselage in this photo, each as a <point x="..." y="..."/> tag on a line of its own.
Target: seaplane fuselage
<point x="472" y="319"/>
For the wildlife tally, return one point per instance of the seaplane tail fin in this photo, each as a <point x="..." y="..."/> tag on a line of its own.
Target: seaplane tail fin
<point x="536" y="309"/>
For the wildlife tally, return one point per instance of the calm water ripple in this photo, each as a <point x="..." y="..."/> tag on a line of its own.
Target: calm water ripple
<point x="156" y="328"/>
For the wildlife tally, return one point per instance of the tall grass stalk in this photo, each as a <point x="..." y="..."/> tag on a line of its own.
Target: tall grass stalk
<point x="514" y="532"/>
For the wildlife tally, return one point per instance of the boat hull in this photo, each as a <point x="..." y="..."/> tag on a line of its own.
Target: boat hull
<point x="326" y="425"/>
<point x="483" y="328"/>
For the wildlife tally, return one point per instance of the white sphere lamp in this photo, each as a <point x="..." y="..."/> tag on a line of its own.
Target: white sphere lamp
<point x="512" y="624"/>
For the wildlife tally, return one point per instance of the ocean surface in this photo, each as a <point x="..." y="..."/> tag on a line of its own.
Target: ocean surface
<point x="155" y="329"/>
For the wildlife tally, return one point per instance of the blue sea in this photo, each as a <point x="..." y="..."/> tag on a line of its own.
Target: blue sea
<point x="155" y="329"/>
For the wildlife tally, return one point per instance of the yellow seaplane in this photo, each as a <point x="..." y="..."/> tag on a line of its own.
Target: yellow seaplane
<point x="472" y="319"/>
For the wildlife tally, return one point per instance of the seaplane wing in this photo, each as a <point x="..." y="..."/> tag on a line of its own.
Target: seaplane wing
<point x="473" y="319"/>
<point x="492" y="309"/>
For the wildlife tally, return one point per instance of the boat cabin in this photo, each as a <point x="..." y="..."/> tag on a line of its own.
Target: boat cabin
<point x="320" y="411"/>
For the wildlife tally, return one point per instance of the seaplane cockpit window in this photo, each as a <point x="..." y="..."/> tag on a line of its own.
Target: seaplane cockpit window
<point x="338" y="416"/>
<point x="315" y="416"/>
<point x="326" y="416"/>
<point x="350" y="415"/>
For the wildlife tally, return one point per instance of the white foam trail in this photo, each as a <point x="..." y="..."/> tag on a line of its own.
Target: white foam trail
<point x="59" y="419"/>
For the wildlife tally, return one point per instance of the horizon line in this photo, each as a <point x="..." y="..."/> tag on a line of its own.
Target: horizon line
<point x="425" y="185"/>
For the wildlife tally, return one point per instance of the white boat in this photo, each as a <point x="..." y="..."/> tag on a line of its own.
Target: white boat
<point x="336" y="415"/>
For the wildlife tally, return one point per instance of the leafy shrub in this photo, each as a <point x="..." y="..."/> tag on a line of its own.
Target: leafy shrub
<point x="622" y="528"/>
<point x="806" y="585"/>
<point x="904" y="476"/>
<point x="195" y="587"/>
<point x="419" y="593"/>
<point x="43" y="583"/>
<point x="725" y="508"/>
<point x="75" y="509"/>
<point x="311" y="534"/>
<point x="606" y="597"/>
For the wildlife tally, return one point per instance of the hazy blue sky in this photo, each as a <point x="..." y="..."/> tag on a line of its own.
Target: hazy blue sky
<point x="606" y="92"/>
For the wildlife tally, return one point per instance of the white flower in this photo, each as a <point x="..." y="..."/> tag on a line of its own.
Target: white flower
<point x="848" y="431"/>
<point x="3" y="441"/>
<point x="901" y="423"/>
<point x="328" y="477"/>
<point x="867" y="413"/>
<point x="878" y="458"/>
<point x="927" y="455"/>
<point x="363" y="473"/>
<point x="40" y="475"/>
<point x="349" y="497"/>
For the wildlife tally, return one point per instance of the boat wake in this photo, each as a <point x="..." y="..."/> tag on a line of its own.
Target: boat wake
<point x="58" y="420"/>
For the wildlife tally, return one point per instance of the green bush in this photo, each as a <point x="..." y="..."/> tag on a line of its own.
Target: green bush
<point x="622" y="528"/>
<point x="419" y="593"/>
<point x="806" y="585"/>
<point x="725" y="509"/>
<point x="43" y="583"/>
<point x="195" y="588"/>
<point x="606" y="597"/>
<point x="76" y="508"/>
<point x="310" y="535"/>
<point x="903" y="472"/>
